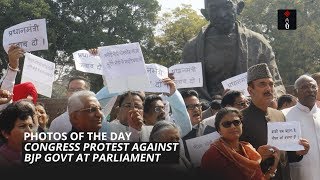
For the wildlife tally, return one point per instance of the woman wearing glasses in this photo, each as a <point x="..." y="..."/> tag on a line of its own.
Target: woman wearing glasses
<point x="229" y="158"/>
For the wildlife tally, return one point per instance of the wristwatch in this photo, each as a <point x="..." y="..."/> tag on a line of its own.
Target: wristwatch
<point x="272" y="175"/>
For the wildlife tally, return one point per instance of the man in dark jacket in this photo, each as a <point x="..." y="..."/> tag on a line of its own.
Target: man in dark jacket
<point x="256" y="117"/>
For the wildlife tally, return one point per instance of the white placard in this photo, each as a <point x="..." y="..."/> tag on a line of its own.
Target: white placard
<point x="199" y="145"/>
<point x="187" y="75"/>
<point x="285" y="135"/>
<point x="40" y="72"/>
<point x="86" y="62"/>
<point x="30" y="35"/>
<point x="238" y="83"/>
<point x="124" y="67"/>
<point x="156" y="73"/>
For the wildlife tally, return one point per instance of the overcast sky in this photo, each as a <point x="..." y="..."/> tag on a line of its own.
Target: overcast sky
<point x="167" y="5"/>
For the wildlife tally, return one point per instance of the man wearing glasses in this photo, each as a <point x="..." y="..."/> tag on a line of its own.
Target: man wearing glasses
<point x="85" y="112"/>
<point x="62" y="123"/>
<point x="232" y="98"/>
<point x="194" y="109"/>
<point x="129" y="117"/>
<point x="235" y="99"/>
<point x="155" y="110"/>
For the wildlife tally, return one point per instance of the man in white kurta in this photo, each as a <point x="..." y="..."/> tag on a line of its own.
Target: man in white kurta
<point x="308" y="114"/>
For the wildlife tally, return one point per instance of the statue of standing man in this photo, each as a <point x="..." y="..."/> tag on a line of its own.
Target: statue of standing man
<point x="226" y="48"/>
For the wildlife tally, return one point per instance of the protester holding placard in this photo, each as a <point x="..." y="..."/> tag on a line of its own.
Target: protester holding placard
<point x="194" y="109"/>
<point x="308" y="114"/>
<point x="258" y="114"/>
<point x="123" y="67"/>
<point x="40" y="72"/>
<point x="228" y="154"/>
<point x="31" y="35"/>
<point x="14" y="54"/>
<point x="154" y="108"/>
<point x="129" y="117"/>
<point x="132" y="103"/>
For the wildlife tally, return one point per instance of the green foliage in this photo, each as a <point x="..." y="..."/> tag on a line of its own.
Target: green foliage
<point x="83" y="24"/>
<point x="177" y="27"/>
<point x="110" y="21"/>
<point x="14" y="12"/>
<point x="296" y="51"/>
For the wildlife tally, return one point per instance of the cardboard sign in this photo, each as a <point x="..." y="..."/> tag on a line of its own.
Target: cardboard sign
<point x="285" y="135"/>
<point x="29" y="35"/>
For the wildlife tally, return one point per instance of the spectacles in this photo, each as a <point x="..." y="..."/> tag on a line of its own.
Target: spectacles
<point x="158" y="109"/>
<point x="242" y="104"/>
<point x="228" y="124"/>
<point x="193" y="106"/>
<point x="140" y="107"/>
<point x="91" y="109"/>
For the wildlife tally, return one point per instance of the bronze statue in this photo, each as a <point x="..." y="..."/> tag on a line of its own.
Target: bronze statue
<point x="226" y="48"/>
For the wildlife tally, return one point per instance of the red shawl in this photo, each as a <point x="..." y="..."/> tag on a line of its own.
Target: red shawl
<point x="249" y="164"/>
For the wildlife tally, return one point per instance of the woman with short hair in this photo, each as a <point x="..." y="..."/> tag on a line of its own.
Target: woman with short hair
<point x="229" y="158"/>
<point x="15" y="120"/>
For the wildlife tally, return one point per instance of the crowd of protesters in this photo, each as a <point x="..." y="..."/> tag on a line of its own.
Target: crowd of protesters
<point x="176" y="117"/>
